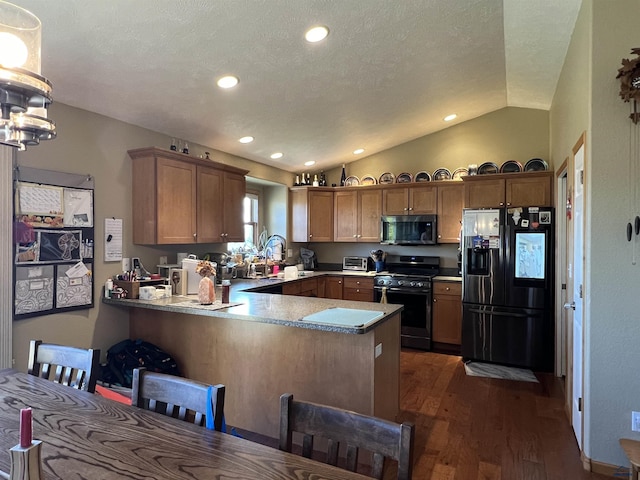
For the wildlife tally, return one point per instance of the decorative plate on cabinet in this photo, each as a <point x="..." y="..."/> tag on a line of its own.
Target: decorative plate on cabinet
<point x="386" y="177"/>
<point x="458" y="173"/>
<point x="422" y="177"/>
<point x="442" y="174"/>
<point x="487" y="168"/>
<point x="368" y="180"/>
<point x="351" y="181"/>
<point x="535" y="165"/>
<point x="404" y="177"/>
<point x="511" y="166"/>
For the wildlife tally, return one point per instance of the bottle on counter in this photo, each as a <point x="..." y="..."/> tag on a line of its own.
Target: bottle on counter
<point x="343" y="176"/>
<point x="316" y="182"/>
<point x="185" y="149"/>
<point x="323" y="179"/>
<point x="297" y="182"/>
<point x="108" y="288"/>
<point x="174" y="145"/>
<point x="226" y="286"/>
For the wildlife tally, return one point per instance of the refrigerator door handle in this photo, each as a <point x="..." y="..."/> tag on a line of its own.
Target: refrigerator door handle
<point x="502" y="314"/>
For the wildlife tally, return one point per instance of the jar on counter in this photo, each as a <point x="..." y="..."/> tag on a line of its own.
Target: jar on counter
<point x="226" y="286"/>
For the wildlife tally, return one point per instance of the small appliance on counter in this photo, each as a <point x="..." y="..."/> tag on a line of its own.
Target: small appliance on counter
<point x="309" y="259"/>
<point x="357" y="264"/>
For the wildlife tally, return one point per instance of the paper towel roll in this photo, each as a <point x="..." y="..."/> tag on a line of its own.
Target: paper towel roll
<point x="290" y="273"/>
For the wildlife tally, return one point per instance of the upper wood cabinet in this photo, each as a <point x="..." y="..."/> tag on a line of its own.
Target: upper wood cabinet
<point x="312" y="214"/>
<point x="412" y="200"/>
<point x="508" y="190"/>
<point x="357" y="215"/>
<point x="179" y="199"/>
<point x="450" y="203"/>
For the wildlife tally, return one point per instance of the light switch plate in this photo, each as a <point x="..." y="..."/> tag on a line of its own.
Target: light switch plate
<point x="378" y="350"/>
<point x="126" y="264"/>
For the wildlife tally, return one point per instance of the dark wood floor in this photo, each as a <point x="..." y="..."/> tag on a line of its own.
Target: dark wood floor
<point x="472" y="428"/>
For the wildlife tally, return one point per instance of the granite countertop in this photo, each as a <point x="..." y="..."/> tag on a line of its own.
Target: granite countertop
<point x="447" y="278"/>
<point x="277" y="309"/>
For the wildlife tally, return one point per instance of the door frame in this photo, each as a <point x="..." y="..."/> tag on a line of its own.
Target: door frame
<point x="561" y="346"/>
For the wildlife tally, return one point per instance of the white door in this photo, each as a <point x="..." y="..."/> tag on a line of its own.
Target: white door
<point x="576" y="294"/>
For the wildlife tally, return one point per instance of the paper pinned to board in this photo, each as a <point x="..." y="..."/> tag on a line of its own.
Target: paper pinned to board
<point x="344" y="317"/>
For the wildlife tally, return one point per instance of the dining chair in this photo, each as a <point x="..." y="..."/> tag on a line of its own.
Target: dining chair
<point x="70" y="366"/>
<point x="179" y="397"/>
<point x="382" y="438"/>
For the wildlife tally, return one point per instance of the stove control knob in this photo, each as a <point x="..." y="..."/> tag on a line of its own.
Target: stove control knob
<point x="413" y="284"/>
<point x="420" y="284"/>
<point x="400" y="283"/>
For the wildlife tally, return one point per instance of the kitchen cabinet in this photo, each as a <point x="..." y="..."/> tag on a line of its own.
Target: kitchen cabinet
<point x="357" y="215"/>
<point x="333" y="287"/>
<point x="413" y="200"/>
<point x="358" y="289"/>
<point x="447" y="312"/>
<point x="450" y="204"/>
<point x="509" y="189"/>
<point x="178" y="199"/>
<point x="312" y="214"/>
<point x="302" y="288"/>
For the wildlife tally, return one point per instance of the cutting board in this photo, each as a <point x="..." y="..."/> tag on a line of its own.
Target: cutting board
<point x="345" y="317"/>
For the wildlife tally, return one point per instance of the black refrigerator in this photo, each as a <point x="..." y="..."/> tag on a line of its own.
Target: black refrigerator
<point x="508" y="286"/>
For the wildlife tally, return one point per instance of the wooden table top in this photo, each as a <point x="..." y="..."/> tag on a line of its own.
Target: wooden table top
<point x="88" y="436"/>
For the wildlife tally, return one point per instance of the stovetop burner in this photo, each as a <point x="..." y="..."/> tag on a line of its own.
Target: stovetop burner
<point x="408" y="272"/>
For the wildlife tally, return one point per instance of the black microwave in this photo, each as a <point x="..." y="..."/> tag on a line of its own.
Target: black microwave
<point x="409" y="230"/>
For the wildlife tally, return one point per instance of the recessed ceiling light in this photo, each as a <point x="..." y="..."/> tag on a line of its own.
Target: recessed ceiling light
<point x="246" y="140"/>
<point x="309" y="163"/>
<point x="228" y="81"/>
<point x="448" y="118"/>
<point x="316" y="34"/>
<point x="276" y="155"/>
<point x="358" y="151"/>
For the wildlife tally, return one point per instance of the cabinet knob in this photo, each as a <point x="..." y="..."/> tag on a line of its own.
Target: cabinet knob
<point x="310" y="235"/>
<point x="355" y="236"/>
<point x="195" y="235"/>
<point x="410" y="208"/>
<point x="340" y="282"/>
<point x="439" y="236"/>
<point x="502" y="204"/>
<point x="508" y="204"/>
<point x="447" y="289"/>
<point x="434" y="300"/>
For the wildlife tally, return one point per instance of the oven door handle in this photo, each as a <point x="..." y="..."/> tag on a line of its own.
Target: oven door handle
<point x="402" y="290"/>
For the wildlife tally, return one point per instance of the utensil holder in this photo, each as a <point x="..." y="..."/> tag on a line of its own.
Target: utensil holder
<point x="26" y="462"/>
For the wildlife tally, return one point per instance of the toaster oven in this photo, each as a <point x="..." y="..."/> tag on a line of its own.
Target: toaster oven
<point x="360" y="264"/>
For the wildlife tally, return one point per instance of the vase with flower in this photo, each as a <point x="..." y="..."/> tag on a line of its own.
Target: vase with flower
<point x="206" y="287"/>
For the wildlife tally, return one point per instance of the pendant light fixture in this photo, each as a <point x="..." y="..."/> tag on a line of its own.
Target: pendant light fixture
<point x="25" y="95"/>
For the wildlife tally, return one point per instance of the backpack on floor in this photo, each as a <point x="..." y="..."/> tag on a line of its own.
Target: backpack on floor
<point x="126" y="355"/>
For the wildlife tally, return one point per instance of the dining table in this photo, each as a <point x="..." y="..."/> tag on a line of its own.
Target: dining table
<point x="86" y="436"/>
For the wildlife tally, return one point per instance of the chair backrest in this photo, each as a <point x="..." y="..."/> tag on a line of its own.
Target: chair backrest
<point x="384" y="439"/>
<point x="177" y="397"/>
<point x="70" y="366"/>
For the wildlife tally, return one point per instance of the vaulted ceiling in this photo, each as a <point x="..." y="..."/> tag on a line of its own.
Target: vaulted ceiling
<point x="388" y="72"/>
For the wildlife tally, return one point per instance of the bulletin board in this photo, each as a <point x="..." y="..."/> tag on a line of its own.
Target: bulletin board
<point x="53" y="235"/>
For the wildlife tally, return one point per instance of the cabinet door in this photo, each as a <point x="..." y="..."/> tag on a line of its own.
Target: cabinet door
<point x="423" y="200"/>
<point x="320" y="224"/>
<point x="210" y="210"/>
<point x="176" y="201"/>
<point x="333" y="288"/>
<point x="345" y="207"/>
<point x="291" y="288"/>
<point x="447" y="312"/>
<point x="450" y="203"/>
<point x="234" y="192"/>
<point x="395" y="201"/>
<point x="309" y="287"/>
<point x="369" y="213"/>
<point x="484" y="193"/>
<point x="529" y="191"/>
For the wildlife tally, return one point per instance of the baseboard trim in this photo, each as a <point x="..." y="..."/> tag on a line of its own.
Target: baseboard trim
<point x="608" y="469"/>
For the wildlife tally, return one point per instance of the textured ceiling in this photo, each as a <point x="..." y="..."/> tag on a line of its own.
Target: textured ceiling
<point x="389" y="71"/>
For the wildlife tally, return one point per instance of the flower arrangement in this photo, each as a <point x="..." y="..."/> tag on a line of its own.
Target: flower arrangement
<point x="205" y="269"/>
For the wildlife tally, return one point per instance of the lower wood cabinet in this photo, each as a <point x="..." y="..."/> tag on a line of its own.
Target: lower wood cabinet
<point x="303" y="288"/>
<point x="447" y="312"/>
<point x="358" y="288"/>
<point x="333" y="287"/>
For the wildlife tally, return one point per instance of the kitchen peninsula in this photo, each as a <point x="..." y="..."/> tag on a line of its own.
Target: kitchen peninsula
<point x="264" y="345"/>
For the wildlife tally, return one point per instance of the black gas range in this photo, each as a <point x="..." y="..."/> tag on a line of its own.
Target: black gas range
<point x="407" y="281"/>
